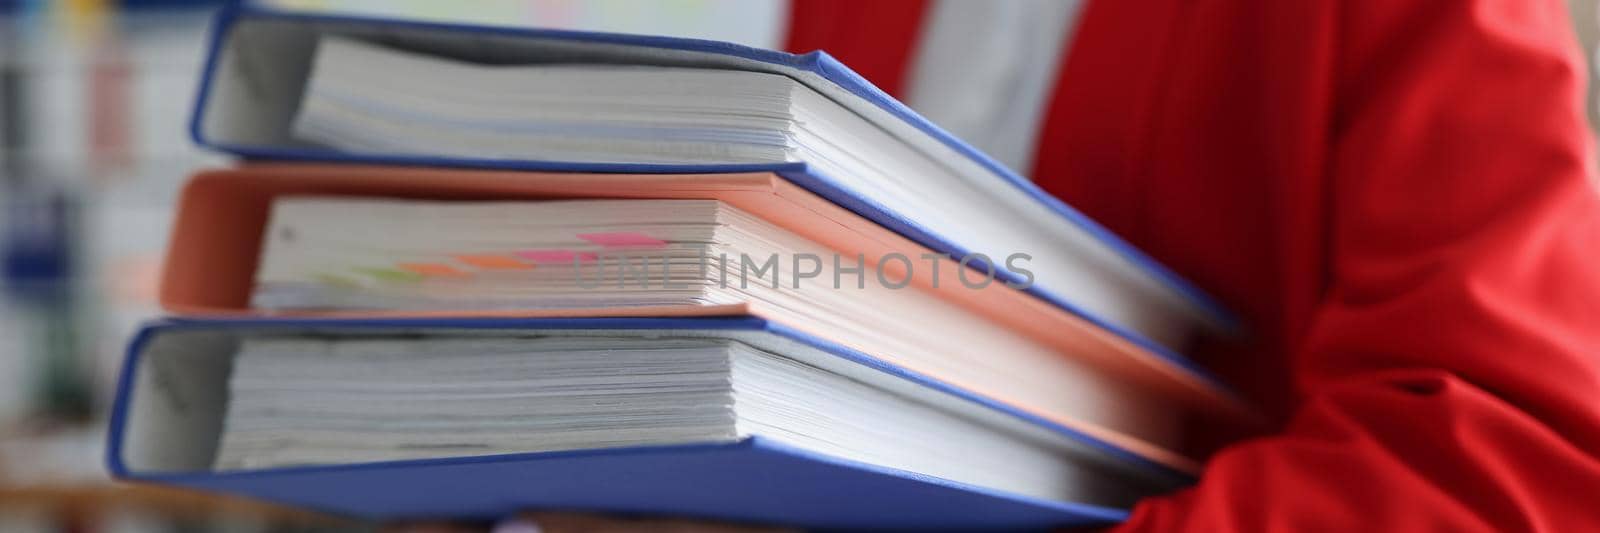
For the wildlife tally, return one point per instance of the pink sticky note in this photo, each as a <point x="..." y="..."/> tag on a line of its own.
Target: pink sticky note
<point x="555" y="256"/>
<point x="623" y="239"/>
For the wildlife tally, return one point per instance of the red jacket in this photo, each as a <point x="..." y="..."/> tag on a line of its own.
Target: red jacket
<point x="1398" y="196"/>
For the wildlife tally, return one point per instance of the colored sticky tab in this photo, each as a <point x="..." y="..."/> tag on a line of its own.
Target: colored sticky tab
<point x="336" y="280"/>
<point x="555" y="256"/>
<point x="390" y="275"/>
<point x="623" y="239"/>
<point x="493" y="262"/>
<point x="431" y="269"/>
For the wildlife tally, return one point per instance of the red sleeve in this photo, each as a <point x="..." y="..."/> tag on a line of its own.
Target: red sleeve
<point x="1451" y="371"/>
<point x="877" y="39"/>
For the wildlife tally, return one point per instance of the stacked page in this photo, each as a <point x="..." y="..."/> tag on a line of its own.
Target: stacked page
<point x="364" y="98"/>
<point x="316" y="401"/>
<point x="364" y="253"/>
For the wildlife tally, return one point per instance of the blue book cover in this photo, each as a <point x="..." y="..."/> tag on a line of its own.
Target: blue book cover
<point x="166" y="418"/>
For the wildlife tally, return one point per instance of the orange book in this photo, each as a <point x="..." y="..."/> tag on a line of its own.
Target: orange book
<point x="217" y="243"/>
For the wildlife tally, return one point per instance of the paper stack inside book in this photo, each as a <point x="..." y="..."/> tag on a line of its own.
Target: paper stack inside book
<point x="297" y="401"/>
<point x="366" y="98"/>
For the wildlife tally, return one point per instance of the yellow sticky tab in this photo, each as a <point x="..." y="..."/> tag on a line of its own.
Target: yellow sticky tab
<point x="337" y="280"/>
<point x="390" y="275"/>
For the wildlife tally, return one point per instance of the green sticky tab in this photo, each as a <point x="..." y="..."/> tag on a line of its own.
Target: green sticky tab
<point x="337" y="280"/>
<point x="391" y="275"/>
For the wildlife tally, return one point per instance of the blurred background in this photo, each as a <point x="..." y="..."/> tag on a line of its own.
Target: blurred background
<point x="94" y="99"/>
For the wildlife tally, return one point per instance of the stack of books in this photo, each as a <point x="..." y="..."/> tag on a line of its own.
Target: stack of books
<point x="469" y="271"/>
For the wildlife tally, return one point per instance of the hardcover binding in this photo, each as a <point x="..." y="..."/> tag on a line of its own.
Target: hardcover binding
<point x="747" y="480"/>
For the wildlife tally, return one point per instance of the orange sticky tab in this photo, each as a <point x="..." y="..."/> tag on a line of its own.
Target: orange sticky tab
<point x="431" y="269"/>
<point x="494" y="262"/>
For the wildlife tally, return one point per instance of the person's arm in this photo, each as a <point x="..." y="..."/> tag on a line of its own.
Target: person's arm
<point x="1452" y="370"/>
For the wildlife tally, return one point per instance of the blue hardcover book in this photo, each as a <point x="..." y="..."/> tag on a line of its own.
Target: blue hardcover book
<point x="185" y="399"/>
<point x="313" y="87"/>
